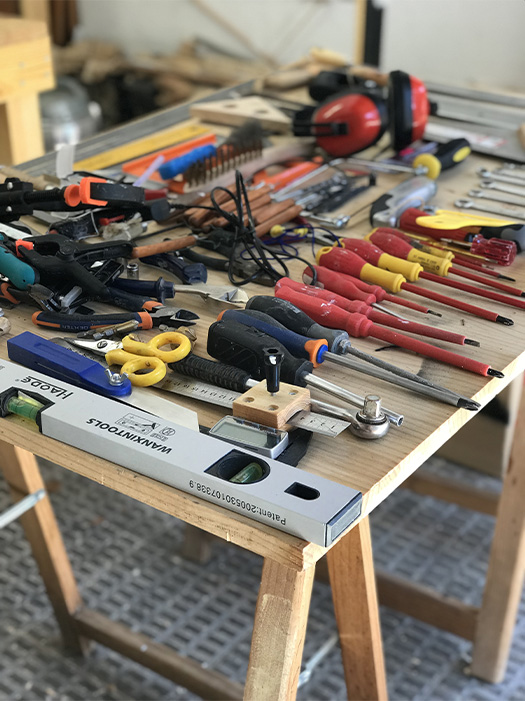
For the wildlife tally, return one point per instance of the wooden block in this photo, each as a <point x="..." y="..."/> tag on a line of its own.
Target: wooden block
<point x="236" y="112"/>
<point x="261" y="407"/>
<point x="25" y="57"/>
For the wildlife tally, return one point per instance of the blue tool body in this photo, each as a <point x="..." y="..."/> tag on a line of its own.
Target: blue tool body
<point x="41" y="355"/>
<point x="178" y="165"/>
<point x="21" y="274"/>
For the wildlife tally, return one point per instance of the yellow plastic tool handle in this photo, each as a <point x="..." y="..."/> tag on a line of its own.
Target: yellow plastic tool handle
<point x="409" y="270"/>
<point x="438" y="252"/>
<point x="433" y="264"/>
<point x="378" y="276"/>
<point x="152" y="348"/>
<point x="131" y="364"/>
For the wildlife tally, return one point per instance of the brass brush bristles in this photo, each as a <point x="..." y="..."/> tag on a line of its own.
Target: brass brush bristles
<point x="227" y="158"/>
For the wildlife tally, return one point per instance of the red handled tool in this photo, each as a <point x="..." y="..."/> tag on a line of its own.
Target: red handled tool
<point x="359" y="326"/>
<point x="356" y="307"/>
<point x="391" y="244"/>
<point x="348" y="262"/>
<point x="375" y="256"/>
<point x="331" y="280"/>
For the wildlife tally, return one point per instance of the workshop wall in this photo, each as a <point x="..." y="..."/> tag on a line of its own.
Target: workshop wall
<point x="468" y="43"/>
<point x="284" y="29"/>
<point x="473" y="43"/>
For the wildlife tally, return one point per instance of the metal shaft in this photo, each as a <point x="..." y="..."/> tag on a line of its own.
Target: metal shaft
<point x="346" y="396"/>
<point x="15" y="511"/>
<point x="420" y="385"/>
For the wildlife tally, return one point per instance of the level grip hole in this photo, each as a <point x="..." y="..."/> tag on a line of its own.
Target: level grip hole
<point x="302" y="491"/>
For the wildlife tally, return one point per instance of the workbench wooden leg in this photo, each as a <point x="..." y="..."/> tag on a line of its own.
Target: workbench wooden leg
<point x="278" y="633"/>
<point x="22" y="473"/>
<point x="196" y="544"/>
<point x="504" y="582"/>
<point x="352" y="577"/>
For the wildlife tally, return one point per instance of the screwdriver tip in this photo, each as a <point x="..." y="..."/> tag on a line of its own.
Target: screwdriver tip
<point x="429" y="311"/>
<point x="507" y="277"/>
<point x="471" y="342"/>
<point x="504" y="320"/>
<point x="469" y="404"/>
<point x="495" y="373"/>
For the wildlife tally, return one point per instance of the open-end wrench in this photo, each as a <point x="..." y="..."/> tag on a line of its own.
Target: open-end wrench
<point x="494" y="175"/>
<point x="501" y="187"/>
<point x="498" y="197"/>
<point x="506" y="212"/>
<point x="225" y="294"/>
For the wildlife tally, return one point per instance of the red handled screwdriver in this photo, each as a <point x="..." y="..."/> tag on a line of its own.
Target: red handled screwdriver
<point x="439" y="252"/>
<point x="329" y="278"/>
<point x="359" y="326"/>
<point x="375" y="316"/>
<point x="413" y="271"/>
<point x="345" y="261"/>
<point x="393" y="245"/>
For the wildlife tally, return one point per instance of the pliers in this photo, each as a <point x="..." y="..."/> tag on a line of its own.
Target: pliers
<point x="172" y="317"/>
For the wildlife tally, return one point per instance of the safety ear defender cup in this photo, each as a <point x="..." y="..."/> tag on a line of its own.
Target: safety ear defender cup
<point x="363" y="116"/>
<point x="408" y="109"/>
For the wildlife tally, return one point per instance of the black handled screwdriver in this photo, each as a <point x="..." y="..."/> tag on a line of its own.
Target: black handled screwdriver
<point x="245" y="347"/>
<point x="316" y="351"/>
<point x="339" y="344"/>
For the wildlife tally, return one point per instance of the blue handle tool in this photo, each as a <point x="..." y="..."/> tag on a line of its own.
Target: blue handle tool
<point x="178" y="165"/>
<point x="41" y="355"/>
<point x="298" y="345"/>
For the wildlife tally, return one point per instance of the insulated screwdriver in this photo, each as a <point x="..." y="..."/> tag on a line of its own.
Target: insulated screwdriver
<point x="244" y="347"/>
<point x="394" y="246"/>
<point x="359" y="326"/>
<point x="439" y="251"/>
<point x="268" y="324"/>
<point x="375" y="316"/>
<point x="329" y="278"/>
<point x="375" y="256"/>
<point x="347" y="262"/>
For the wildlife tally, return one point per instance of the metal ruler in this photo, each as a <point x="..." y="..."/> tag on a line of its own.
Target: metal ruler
<point x="204" y="392"/>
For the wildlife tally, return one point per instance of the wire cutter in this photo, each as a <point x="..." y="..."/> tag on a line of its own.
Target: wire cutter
<point x="133" y="355"/>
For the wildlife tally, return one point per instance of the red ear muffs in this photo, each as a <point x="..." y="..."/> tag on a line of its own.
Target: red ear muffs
<point x="408" y="109"/>
<point x="345" y="124"/>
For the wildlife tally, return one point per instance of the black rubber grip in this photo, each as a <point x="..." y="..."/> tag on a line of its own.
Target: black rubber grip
<point x="81" y="322"/>
<point x="447" y="153"/>
<point x="125" y="300"/>
<point x="211" y="372"/>
<point x="245" y="347"/>
<point x="296" y="320"/>
<point x="117" y="193"/>
<point x="513" y="232"/>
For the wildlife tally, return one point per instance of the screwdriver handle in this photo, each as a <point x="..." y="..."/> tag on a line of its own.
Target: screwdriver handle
<point x="388" y="242"/>
<point x="349" y="305"/>
<point x="446" y="156"/>
<point x="342" y="284"/>
<point x="294" y="319"/>
<point x="211" y="372"/>
<point x="245" y="347"/>
<point x="159" y="289"/>
<point x="376" y="316"/>
<point x="381" y="259"/>
<point x="300" y="346"/>
<point x="350" y="263"/>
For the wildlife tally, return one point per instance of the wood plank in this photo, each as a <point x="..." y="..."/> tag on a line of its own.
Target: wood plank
<point x="196" y="545"/>
<point x="278" y="633"/>
<point x="351" y="570"/>
<point x="159" y="658"/>
<point x="454" y="491"/>
<point x="504" y="582"/>
<point x="21" y="135"/>
<point x="23" y="477"/>
<point x="426" y="605"/>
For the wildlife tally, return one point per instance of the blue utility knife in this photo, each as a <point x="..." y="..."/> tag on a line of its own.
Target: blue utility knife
<point x="44" y="356"/>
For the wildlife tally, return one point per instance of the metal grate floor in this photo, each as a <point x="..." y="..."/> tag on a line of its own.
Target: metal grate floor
<point x="125" y="558"/>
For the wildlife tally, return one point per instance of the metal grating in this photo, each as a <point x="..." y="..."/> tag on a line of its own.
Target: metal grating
<point x="125" y="557"/>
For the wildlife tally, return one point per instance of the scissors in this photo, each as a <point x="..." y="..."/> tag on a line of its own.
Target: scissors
<point x="133" y="355"/>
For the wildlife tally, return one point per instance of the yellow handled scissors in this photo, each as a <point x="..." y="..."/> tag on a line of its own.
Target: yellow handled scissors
<point x="133" y="355"/>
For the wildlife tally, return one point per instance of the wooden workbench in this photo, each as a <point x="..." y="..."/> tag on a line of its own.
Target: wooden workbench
<point x="376" y="468"/>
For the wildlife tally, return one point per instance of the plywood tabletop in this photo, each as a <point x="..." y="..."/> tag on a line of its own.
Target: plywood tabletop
<point x="374" y="467"/>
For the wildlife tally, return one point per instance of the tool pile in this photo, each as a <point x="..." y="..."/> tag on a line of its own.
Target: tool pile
<point x="261" y="215"/>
